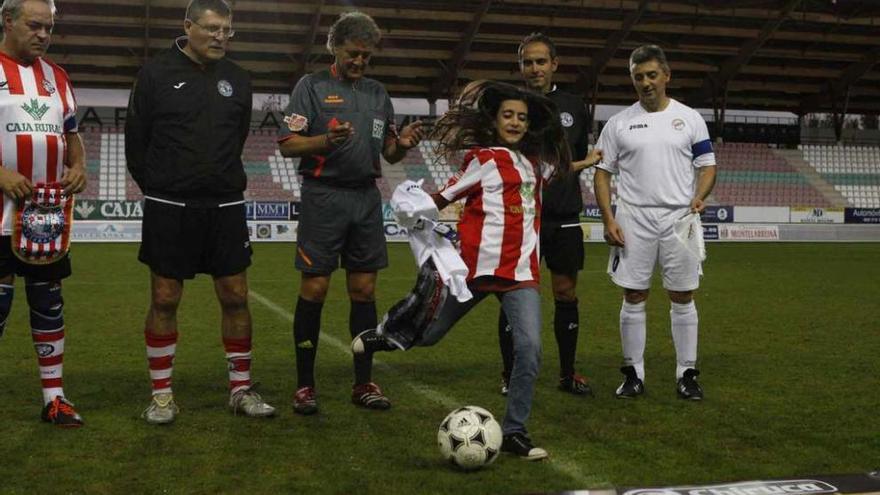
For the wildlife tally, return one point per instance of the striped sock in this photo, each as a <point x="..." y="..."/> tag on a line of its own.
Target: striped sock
<point x="160" y="354"/>
<point x="238" y="355"/>
<point x="49" y="346"/>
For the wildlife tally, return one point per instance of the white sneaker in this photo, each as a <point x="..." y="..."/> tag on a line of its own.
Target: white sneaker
<point x="162" y="410"/>
<point x="249" y="403"/>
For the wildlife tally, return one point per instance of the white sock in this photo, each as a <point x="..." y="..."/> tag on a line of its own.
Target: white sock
<point x="632" y="335"/>
<point x="684" y="334"/>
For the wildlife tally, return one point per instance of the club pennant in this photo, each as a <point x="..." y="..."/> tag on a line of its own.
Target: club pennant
<point x="41" y="234"/>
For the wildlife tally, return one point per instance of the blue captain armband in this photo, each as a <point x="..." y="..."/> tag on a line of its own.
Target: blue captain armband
<point x="701" y="148"/>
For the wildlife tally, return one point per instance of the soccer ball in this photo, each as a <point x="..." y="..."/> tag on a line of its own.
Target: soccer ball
<point x="469" y="437"/>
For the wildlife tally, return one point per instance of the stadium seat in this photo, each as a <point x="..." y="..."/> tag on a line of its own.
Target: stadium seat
<point x="854" y="171"/>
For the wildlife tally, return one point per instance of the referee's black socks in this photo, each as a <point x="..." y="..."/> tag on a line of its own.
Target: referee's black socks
<point x="566" y="326"/>
<point x="306" y="327"/>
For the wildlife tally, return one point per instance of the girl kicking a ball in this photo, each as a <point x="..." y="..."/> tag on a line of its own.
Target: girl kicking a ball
<point x="512" y="141"/>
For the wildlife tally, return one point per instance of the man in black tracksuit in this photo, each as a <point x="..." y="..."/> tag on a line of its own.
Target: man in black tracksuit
<point x="188" y="118"/>
<point x="562" y="243"/>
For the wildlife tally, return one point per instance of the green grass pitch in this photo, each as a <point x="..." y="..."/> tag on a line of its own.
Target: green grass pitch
<point x="788" y="349"/>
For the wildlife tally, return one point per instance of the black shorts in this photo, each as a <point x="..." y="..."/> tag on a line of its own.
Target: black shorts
<point x="563" y="247"/>
<point x="11" y="265"/>
<point x="338" y="222"/>
<point x="178" y="242"/>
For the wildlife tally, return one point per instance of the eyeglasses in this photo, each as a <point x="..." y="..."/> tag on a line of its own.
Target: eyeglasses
<point x="216" y="31"/>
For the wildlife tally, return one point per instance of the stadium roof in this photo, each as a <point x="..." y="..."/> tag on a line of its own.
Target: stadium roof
<point x="788" y="55"/>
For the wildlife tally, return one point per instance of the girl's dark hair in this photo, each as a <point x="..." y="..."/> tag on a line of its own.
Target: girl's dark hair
<point x="470" y="122"/>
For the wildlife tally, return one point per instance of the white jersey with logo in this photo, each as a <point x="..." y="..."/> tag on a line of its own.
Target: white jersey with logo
<point x="656" y="153"/>
<point x="37" y="108"/>
<point x="501" y="219"/>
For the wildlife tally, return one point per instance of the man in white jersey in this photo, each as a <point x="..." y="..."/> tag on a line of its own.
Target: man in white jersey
<point x="38" y="144"/>
<point x="661" y="151"/>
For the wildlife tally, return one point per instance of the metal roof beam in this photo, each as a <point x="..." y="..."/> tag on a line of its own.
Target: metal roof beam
<point x="450" y="75"/>
<point x="838" y="86"/>
<point x="146" y="30"/>
<point x="308" y="43"/>
<point x="591" y="74"/>
<point x="732" y="66"/>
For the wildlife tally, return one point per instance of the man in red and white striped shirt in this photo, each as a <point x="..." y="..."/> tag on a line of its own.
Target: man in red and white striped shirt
<point x="38" y="144"/>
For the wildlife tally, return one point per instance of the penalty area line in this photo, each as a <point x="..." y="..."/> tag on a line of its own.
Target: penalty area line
<point x="558" y="463"/>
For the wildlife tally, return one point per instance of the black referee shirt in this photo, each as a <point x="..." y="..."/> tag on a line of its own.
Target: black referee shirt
<point x="324" y="99"/>
<point x="562" y="201"/>
<point x="186" y="126"/>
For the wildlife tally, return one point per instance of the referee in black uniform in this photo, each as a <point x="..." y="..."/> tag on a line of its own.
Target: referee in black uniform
<point x="562" y="245"/>
<point x="340" y="123"/>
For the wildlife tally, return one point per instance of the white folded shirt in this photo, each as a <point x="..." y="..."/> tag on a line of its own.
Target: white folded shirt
<point x="688" y="231"/>
<point x="415" y="210"/>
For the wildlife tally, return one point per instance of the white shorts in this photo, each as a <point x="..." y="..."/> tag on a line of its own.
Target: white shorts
<point x="648" y="236"/>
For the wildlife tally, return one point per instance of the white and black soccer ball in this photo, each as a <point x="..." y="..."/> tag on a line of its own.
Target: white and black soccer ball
<point x="469" y="437"/>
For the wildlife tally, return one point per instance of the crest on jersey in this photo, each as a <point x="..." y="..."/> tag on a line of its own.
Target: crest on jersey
<point x="566" y="119"/>
<point x="296" y="122"/>
<point x="224" y="88"/>
<point x="678" y="124"/>
<point x="41" y="234"/>
<point x="47" y="85"/>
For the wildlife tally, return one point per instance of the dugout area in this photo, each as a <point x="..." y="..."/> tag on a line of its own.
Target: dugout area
<point x="801" y="56"/>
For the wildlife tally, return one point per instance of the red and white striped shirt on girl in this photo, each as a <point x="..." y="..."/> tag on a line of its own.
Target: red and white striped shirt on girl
<point x="501" y="219"/>
<point x="37" y="107"/>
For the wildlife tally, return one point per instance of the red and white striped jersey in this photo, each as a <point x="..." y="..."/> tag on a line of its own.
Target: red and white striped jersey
<point x="501" y="219"/>
<point x="37" y="108"/>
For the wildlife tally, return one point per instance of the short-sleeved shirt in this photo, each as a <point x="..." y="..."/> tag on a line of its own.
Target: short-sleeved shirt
<point x="323" y="100"/>
<point x="656" y="153"/>
<point x="502" y="214"/>
<point x="36" y="109"/>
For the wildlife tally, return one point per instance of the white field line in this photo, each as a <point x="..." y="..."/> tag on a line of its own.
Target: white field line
<point x="345" y="347"/>
<point x="557" y="462"/>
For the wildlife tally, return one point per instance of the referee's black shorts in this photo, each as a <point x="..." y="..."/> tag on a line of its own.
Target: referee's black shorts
<point x="340" y="226"/>
<point x="563" y="247"/>
<point x="11" y="265"/>
<point x="178" y="242"/>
